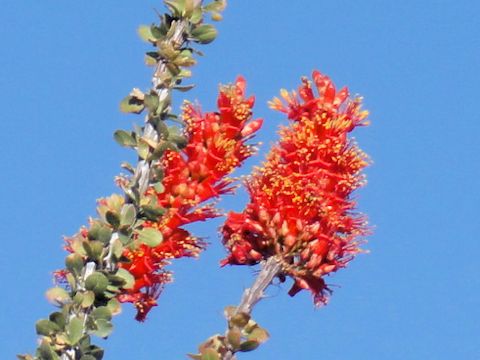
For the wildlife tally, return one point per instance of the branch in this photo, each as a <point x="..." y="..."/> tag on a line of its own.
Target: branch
<point x="243" y="334"/>
<point x="93" y="275"/>
<point x="251" y="296"/>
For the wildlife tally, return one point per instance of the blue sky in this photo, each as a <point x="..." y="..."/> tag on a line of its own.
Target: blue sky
<point x="66" y="65"/>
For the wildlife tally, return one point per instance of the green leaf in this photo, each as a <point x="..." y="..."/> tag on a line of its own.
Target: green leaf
<point x="158" y="173"/>
<point x="143" y="149"/>
<point x="150" y="60"/>
<point x="184" y="88"/>
<point x="157" y="32"/>
<point x="189" y="7"/>
<point x="109" y="294"/>
<point x="114" y="306"/>
<point x="75" y="330"/>
<point x="150" y="237"/>
<point x="177" y="7"/>
<point x="204" y="34"/>
<point x="240" y="319"/>
<point x="85" y="344"/>
<point x="159" y="188"/>
<point x="151" y="102"/>
<point x="234" y="337"/>
<point x="153" y="212"/>
<point x="115" y="282"/>
<point x="104" y="328"/>
<point x="131" y="104"/>
<point x="78" y="298"/>
<point x="71" y="280"/>
<point x="210" y="354"/>
<point x="102" y="312"/>
<point x="127" y="276"/>
<point x="145" y="33"/>
<point x="249" y="345"/>
<point x="160" y="149"/>
<point x="216" y="5"/>
<point x="57" y="296"/>
<point x="46" y="327"/>
<point x="124" y="240"/>
<point x="162" y="128"/>
<point x="94" y="249"/>
<point x="185" y="73"/>
<point x="58" y="318"/>
<point x="179" y="140"/>
<point x="96" y="282"/>
<point x="124" y="138"/>
<point x="45" y="352"/>
<point x="77" y="246"/>
<point x="100" y="232"/>
<point x="117" y="248"/>
<point x="113" y="219"/>
<point x="96" y="352"/>
<point x="128" y="215"/>
<point x="251" y="325"/>
<point x="88" y="299"/>
<point x="197" y="15"/>
<point x="74" y="263"/>
<point x="185" y="59"/>
<point x="259" y="335"/>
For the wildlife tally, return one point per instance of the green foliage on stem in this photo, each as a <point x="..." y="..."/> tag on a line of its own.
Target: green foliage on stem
<point x="92" y="276"/>
<point x="243" y="335"/>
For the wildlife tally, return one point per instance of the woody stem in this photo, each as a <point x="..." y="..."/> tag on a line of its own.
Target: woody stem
<point x="251" y="296"/>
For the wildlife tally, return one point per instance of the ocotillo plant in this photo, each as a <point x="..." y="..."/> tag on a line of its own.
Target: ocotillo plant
<point x="300" y="222"/>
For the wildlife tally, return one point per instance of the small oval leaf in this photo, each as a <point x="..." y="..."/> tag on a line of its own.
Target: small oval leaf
<point x="128" y="215"/>
<point x="204" y="34"/>
<point x="46" y="327"/>
<point x="127" y="276"/>
<point x="74" y="263"/>
<point x="57" y="296"/>
<point x="75" y="330"/>
<point x="150" y="237"/>
<point x="249" y="345"/>
<point x="102" y="312"/>
<point x="104" y="328"/>
<point x="96" y="282"/>
<point x="124" y="138"/>
<point x="131" y="104"/>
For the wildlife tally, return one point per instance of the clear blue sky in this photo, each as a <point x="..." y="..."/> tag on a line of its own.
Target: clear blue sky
<point x="64" y="67"/>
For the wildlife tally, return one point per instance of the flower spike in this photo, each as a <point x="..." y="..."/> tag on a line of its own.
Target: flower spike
<point x="215" y="146"/>
<point x="301" y="209"/>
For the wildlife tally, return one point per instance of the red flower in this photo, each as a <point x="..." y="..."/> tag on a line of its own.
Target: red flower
<point x="300" y="208"/>
<point x="216" y="145"/>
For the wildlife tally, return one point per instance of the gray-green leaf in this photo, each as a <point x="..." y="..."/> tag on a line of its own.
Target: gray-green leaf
<point x="74" y="330"/>
<point x="151" y="237"/>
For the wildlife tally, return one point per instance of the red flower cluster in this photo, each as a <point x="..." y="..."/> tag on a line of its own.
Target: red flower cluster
<point x="216" y="146"/>
<point x="300" y="207"/>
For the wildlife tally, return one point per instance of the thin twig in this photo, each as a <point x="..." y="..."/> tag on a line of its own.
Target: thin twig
<point x="251" y="296"/>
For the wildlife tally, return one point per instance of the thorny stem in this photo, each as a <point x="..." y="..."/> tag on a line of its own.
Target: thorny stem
<point x="251" y="296"/>
<point x="141" y="176"/>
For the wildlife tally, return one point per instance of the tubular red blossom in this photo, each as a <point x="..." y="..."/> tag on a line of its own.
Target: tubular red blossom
<point x="216" y="145"/>
<point x="300" y="208"/>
